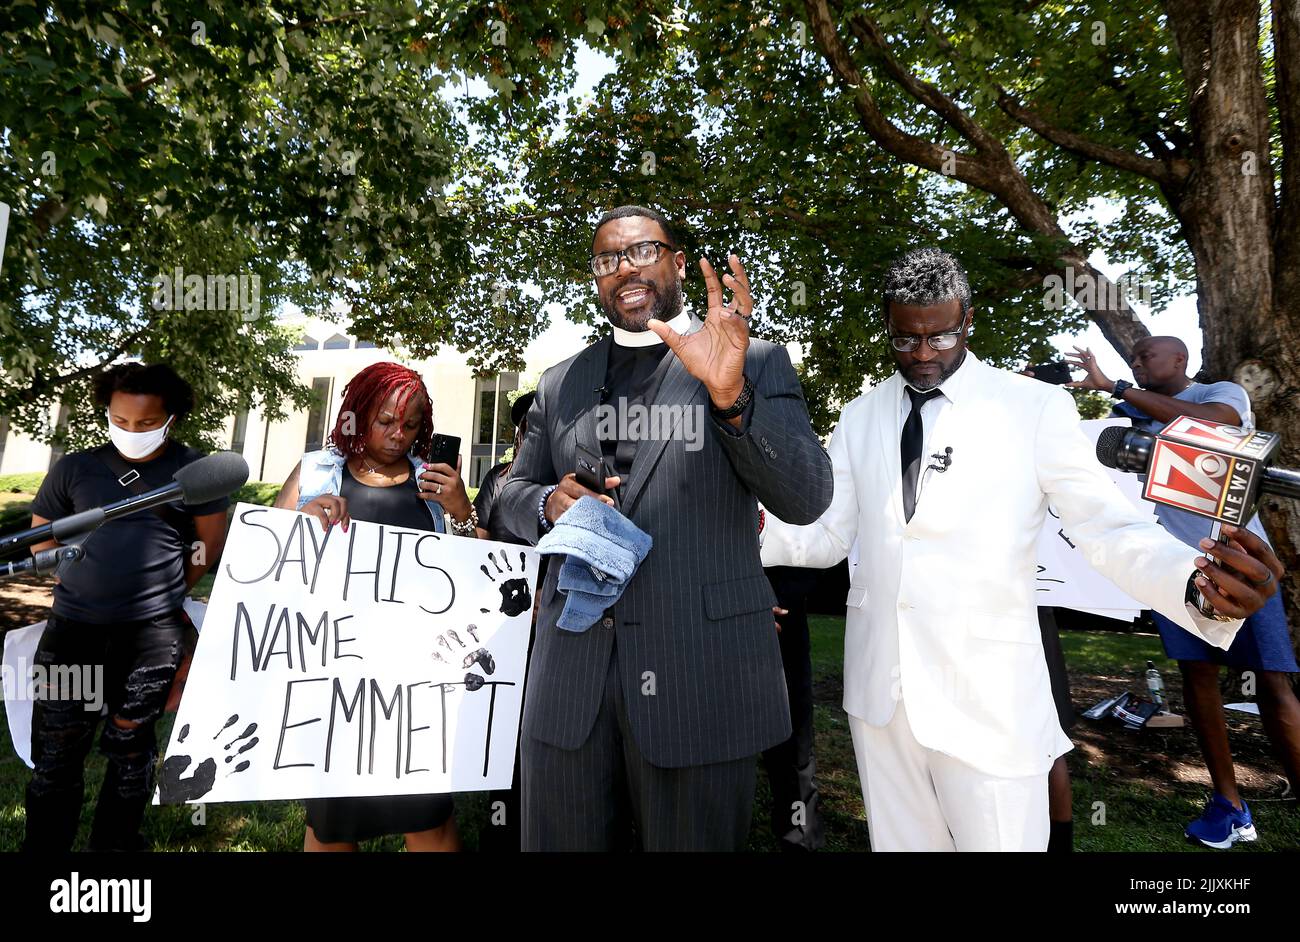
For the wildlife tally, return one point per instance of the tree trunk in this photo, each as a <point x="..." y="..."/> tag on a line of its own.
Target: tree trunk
<point x="1245" y="244"/>
<point x="1249" y="316"/>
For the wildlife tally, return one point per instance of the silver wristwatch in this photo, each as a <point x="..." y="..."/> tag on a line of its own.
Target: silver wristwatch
<point x="1197" y="604"/>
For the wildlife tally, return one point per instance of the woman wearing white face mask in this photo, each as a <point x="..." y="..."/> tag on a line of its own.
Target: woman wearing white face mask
<point x="117" y="612"/>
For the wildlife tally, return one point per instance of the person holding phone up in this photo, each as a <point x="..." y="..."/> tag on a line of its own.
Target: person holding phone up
<point x="374" y="469"/>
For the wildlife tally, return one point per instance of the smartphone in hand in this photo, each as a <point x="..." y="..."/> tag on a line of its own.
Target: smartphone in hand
<point x="590" y="472"/>
<point x="444" y="449"/>
<point x="1058" y="374"/>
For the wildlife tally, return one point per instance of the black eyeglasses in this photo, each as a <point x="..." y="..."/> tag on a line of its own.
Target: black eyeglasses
<point x="639" y="254"/>
<point x="906" y="343"/>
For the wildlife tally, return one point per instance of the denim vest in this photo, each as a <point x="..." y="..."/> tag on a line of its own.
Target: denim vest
<point x="321" y="472"/>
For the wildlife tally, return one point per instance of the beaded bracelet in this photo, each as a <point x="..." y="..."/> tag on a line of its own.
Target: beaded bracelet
<point x="541" y="507"/>
<point x="466" y="527"/>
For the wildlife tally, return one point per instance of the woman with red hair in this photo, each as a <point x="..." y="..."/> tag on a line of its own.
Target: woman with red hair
<point x="374" y="470"/>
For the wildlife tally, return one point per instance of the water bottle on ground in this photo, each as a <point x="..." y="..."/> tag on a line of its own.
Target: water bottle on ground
<point x="1156" y="685"/>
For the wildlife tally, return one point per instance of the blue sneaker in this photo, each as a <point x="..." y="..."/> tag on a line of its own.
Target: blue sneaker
<point x="1222" y="825"/>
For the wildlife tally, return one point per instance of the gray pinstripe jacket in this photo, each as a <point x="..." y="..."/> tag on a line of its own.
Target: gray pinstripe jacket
<point x="697" y="613"/>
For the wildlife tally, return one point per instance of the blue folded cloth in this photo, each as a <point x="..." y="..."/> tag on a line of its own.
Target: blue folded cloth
<point x="603" y="549"/>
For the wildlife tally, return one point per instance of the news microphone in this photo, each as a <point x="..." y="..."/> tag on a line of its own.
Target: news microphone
<point x="1208" y="468"/>
<point x="210" y="477"/>
<point x="47" y="560"/>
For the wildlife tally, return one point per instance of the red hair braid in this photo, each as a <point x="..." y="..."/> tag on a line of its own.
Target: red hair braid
<point x="366" y="392"/>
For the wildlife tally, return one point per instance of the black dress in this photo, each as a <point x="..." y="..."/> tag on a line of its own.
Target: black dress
<point x="336" y="820"/>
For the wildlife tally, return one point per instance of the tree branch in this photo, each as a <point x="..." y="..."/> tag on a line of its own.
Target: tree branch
<point x="991" y="170"/>
<point x="868" y="32"/>
<point x="326" y="21"/>
<point x="49" y="214"/>
<point x="40" y="385"/>
<point x="144" y="83"/>
<point x="1286" y="63"/>
<point x="1168" y="172"/>
<point x="916" y="150"/>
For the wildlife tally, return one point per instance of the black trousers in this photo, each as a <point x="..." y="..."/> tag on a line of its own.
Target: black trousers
<point x="130" y="666"/>
<point x="791" y="766"/>
<point x="606" y="796"/>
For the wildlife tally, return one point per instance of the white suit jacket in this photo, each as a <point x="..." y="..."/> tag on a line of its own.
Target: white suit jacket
<point x="941" y="609"/>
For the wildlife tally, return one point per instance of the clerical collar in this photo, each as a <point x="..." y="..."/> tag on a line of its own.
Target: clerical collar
<point x="648" y="338"/>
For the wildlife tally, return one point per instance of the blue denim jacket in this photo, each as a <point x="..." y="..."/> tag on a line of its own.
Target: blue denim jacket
<point x="321" y="472"/>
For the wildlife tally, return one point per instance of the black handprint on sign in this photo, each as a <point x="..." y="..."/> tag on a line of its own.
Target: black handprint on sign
<point x="516" y="596"/>
<point x="175" y="786"/>
<point x="483" y="657"/>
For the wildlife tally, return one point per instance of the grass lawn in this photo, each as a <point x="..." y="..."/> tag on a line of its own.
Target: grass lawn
<point x="1132" y="791"/>
<point x="1148" y="784"/>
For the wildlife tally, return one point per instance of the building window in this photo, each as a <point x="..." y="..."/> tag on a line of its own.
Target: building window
<point x="307" y="343"/>
<point x="240" y="433"/>
<point x="319" y="414"/>
<point x="365" y="345"/>
<point x="338" y="342"/>
<point x="493" y="432"/>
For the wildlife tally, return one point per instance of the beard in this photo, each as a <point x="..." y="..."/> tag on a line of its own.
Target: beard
<point x="926" y="383"/>
<point x="667" y="304"/>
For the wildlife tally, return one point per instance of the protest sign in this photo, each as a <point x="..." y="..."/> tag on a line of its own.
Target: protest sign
<point x="1065" y="578"/>
<point x="376" y="661"/>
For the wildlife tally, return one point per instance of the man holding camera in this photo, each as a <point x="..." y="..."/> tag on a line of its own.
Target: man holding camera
<point x="1262" y="648"/>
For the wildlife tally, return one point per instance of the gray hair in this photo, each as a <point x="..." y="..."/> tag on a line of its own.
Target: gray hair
<point x="924" y="277"/>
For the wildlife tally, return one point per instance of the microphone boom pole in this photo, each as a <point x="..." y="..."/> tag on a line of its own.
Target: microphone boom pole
<point x="210" y="477"/>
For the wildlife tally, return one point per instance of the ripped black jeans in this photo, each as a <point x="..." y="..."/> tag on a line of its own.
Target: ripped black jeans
<point x="129" y="666"/>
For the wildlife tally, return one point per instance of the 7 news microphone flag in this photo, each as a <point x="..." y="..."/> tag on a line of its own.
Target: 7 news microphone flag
<point x="1209" y="468"/>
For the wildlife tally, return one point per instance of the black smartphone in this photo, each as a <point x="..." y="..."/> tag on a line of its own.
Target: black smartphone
<point x="590" y="472"/>
<point x="1057" y="374"/>
<point x="444" y="449"/>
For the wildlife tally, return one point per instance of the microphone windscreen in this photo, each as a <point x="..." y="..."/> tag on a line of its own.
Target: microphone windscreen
<point x="1109" y="443"/>
<point x="211" y="477"/>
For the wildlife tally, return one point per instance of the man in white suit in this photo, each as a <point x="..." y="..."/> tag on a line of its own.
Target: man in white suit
<point x="942" y="475"/>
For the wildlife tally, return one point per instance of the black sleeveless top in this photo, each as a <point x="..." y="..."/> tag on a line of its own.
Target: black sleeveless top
<point x="396" y="506"/>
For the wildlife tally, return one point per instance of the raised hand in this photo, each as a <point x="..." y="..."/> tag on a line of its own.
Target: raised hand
<point x="1083" y="358"/>
<point x="715" y="355"/>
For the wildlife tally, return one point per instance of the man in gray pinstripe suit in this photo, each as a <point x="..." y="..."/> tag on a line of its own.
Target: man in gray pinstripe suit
<point x="650" y="722"/>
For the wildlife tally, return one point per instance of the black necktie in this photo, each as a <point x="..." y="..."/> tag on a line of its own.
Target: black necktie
<point x="910" y="447"/>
